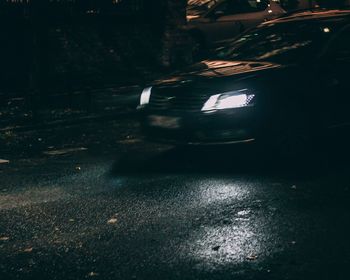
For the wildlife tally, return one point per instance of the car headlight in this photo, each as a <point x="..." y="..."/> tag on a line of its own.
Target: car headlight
<point x="145" y="96"/>
<point x="229" y="100"/>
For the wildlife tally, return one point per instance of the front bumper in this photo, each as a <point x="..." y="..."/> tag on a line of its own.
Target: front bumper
<point x="229" y="126"/>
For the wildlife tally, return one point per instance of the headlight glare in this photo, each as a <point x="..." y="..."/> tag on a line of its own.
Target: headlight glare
<point x="145" y="96"/>
<point x="229" y="100"/>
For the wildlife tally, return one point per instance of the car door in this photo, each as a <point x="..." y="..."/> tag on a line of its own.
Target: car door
<point x="336" y="79"/>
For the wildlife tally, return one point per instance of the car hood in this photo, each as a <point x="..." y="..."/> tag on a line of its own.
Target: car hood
<point x="210" y="70"/>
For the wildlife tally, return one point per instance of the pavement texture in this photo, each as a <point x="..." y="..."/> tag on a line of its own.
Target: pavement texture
<point x="96" y="201"/>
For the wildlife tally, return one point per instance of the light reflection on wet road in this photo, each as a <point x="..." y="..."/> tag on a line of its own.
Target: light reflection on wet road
<point x="170" y="225"/>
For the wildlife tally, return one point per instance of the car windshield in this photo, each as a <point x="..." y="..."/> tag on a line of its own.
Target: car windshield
<point x="200" y="7"/>
<point x="282" y="43"/>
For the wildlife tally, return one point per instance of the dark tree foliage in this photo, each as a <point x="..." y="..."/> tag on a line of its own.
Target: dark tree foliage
<point x="57" y="45"/>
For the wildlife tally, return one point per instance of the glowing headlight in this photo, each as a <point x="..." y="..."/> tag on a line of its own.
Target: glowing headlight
<point x="229" y="100"/>
<point x="145" y="96"/>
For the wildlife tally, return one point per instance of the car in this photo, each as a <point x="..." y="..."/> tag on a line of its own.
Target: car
<point x="227" y="18"/>
<point x="196" y="8"/>
<point x="283" y="85"/>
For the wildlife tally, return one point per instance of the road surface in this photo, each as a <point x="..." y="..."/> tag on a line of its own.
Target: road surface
<point x="98" y="202"/>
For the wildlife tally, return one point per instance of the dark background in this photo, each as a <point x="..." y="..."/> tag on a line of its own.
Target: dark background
<point x="84" y="196"/>
<point x="49" y="47"/>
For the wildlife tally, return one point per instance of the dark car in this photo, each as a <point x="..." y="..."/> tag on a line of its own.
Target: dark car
<point x="283" y="84"/>
<point x="227" y="18"/>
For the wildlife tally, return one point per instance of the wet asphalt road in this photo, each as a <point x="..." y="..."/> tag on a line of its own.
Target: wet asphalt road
<point x="142" y="211"/>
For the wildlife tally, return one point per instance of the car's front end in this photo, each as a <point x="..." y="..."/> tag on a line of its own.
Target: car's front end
<point x="216" y="108"/>
<point x="253" y="85"/>
<point x="201" y="119"/>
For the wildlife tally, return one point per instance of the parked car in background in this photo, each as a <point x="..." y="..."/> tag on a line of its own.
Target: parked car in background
<point x="196" y="8"/>
<point x="227" y="18"/>
<point x="283" y="84"/>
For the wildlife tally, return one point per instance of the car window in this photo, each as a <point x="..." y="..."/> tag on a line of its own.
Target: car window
<point x="226" y="7"/>
<point x="258" y="5"/>
<point x="196" y="7"/>
<point x="231" y="7"/>
<point x="285" y="42"/>
<point x="211" y="3"/>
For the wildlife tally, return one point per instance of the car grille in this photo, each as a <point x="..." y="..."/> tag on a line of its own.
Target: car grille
<point x="169" y="100"/>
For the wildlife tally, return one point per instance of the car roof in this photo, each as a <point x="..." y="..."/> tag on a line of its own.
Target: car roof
<point x="316" y="14"/>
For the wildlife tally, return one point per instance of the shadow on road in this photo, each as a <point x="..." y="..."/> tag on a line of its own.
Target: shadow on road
<point x="226" y="159"/>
